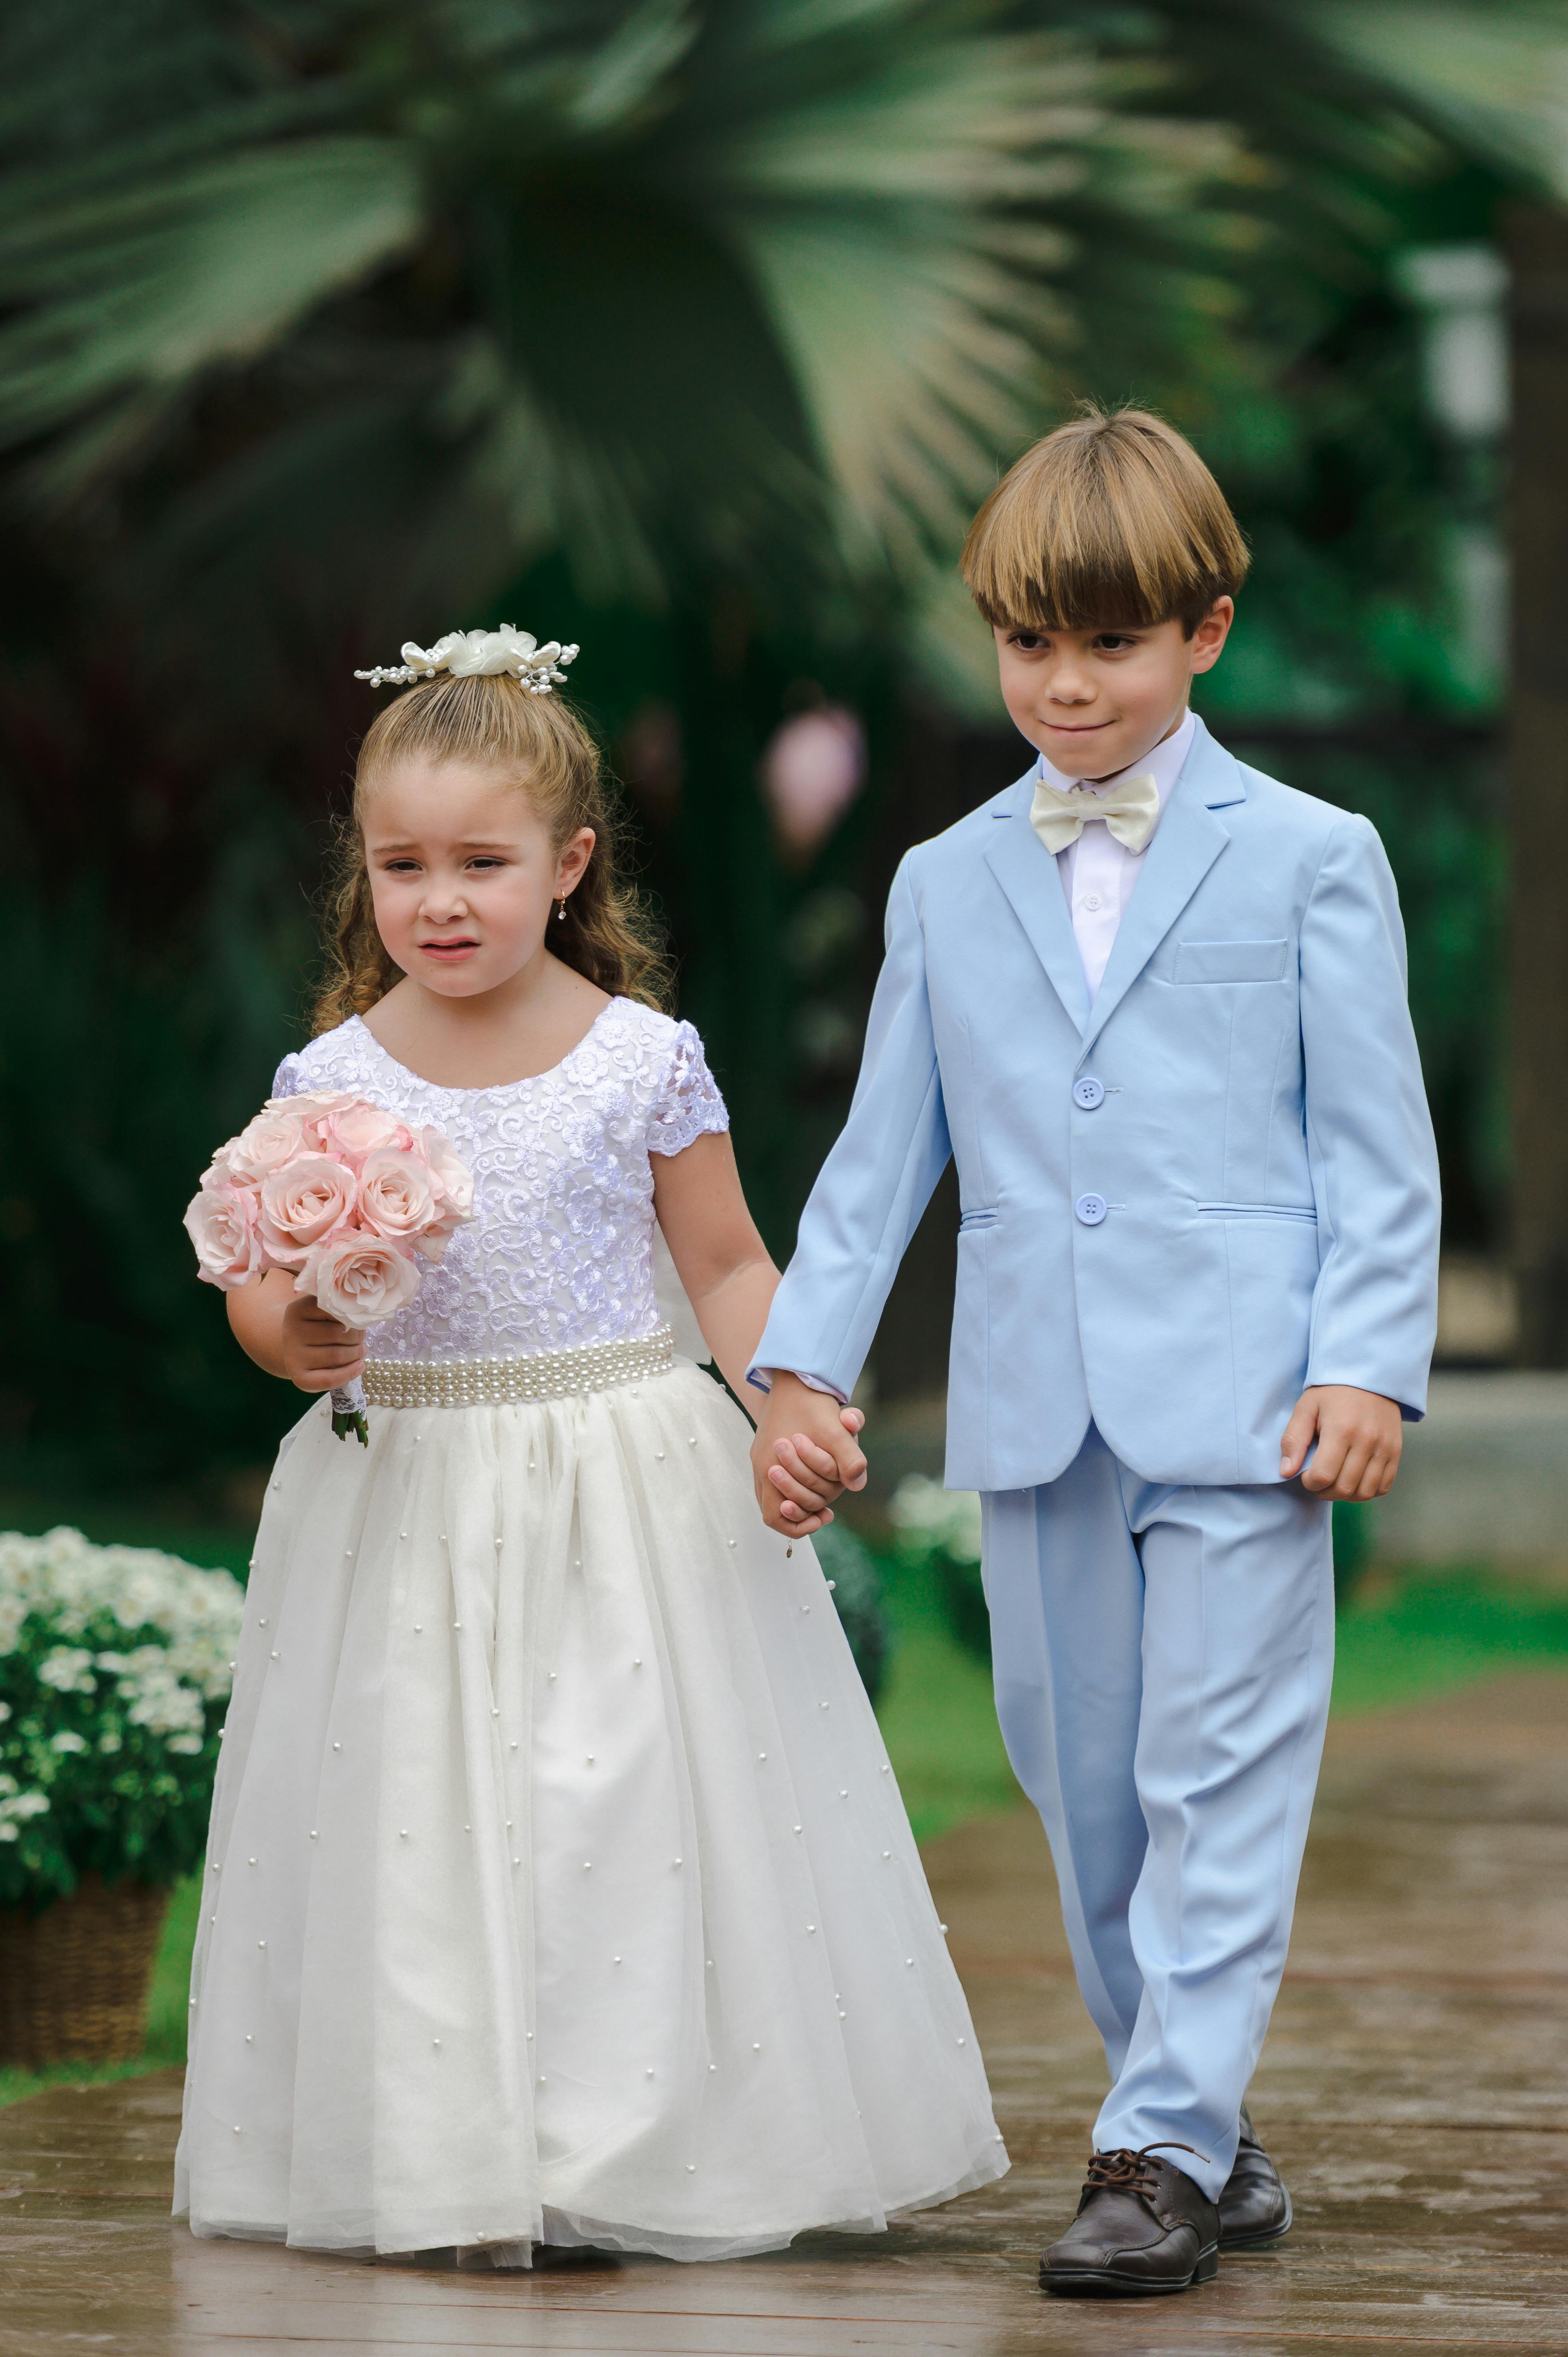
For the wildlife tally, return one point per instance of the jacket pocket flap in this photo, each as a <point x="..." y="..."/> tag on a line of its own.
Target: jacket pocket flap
<point x="1230" y="962"/>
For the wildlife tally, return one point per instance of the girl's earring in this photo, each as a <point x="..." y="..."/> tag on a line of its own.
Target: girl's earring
<point x="561" y="912"/>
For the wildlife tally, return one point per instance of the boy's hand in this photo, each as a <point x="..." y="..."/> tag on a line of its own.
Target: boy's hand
<point x="805" y="1452"/>
<point x="318" y="1354"/>
<point x="1360" y="1435"/>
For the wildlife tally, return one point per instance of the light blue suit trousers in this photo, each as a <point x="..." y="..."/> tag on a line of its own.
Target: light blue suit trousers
<point x="1161" y="1658"/>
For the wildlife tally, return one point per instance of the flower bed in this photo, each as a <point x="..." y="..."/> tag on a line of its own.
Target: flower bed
<point x="114" y="1670"/>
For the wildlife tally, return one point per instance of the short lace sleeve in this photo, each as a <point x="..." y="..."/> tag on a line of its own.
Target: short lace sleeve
<point x="688" y="1104"/>
<point x="289" y="1079"/>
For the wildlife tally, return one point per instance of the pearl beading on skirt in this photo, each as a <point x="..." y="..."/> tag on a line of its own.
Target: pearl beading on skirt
<point x="540" y="1375"/>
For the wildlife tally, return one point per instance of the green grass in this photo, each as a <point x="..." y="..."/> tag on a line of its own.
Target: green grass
<point x="936" y="1715"/>
<point x="1399" y="1642"/>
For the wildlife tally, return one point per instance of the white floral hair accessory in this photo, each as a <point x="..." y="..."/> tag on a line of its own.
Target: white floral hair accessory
<point x="481" y="654"/>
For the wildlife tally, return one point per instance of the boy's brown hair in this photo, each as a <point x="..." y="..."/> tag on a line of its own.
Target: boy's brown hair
<point x="1113" y="519"/>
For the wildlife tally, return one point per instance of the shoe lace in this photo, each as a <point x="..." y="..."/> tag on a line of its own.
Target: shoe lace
<point x="1127" y="2172"/>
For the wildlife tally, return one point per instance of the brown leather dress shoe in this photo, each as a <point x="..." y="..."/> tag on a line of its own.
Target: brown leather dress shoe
<point x="1254" y="2208"/>
<point x="1143" y="2227"/>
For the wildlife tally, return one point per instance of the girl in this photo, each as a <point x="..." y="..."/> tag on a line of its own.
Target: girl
<point x="558" y="1887"/>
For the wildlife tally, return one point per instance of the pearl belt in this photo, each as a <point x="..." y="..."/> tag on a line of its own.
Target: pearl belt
<point x="540" y="1375"/>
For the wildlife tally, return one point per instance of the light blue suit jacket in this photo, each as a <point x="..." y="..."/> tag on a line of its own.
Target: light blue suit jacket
<point x="1261" y="1157"/>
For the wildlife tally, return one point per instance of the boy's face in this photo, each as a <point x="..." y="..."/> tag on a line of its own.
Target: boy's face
<point x="1094" y="702"/>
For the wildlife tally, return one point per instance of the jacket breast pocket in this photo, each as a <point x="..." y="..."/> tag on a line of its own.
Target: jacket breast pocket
<point x="1230" y="962"/>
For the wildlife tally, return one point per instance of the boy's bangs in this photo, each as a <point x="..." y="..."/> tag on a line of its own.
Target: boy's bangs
<point x="1104" y="590"/>
<point x="1109" y="521"/>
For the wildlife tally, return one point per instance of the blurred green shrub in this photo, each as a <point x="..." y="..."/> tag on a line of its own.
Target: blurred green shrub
<point x="939" y="1536"/>
<point x="123" y="1063"/>
<point x="1352" y="1551"/>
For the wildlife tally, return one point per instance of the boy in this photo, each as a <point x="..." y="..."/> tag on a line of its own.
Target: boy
<point x="1153" y="1004"/>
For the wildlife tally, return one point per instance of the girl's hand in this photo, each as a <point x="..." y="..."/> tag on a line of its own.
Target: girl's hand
<point x="318" y="1354"/>
<point x="806" y="1476"/>
<point x="806" y="1450"/>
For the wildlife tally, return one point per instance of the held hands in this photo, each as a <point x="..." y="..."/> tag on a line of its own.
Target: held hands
<point x="1360" y="1435"/>
<point x="805" y="1452"/>
<point x="318" y="1354"/>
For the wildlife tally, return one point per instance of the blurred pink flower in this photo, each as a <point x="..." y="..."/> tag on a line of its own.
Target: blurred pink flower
<point x="811" y="771"/>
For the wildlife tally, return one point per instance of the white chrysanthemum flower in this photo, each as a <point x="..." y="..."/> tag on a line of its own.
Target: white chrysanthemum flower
<point x="69" y="1669"/>
<point x="61" y="1586"/>
<point x="935" y="1517"/>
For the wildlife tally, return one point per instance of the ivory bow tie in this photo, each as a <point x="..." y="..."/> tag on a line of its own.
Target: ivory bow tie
<point x="1130" y="812"/>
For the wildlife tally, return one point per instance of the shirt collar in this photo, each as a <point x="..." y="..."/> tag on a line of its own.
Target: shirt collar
<point x="1163" y="763"/>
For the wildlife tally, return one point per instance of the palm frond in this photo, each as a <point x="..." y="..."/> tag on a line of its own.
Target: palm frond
<point x="652" y="275"/>
<point x="127" y="297"/>
<point x="1493" y="76"/>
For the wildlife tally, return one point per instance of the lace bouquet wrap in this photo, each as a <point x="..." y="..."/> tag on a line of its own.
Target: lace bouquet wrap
<point x="350" y="1200"/>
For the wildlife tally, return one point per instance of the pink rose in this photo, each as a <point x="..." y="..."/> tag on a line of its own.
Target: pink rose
<point x="359" y="1279"/>
<point x="397" y="1196"/>
<point x="304" y="1203"/>
<point x="221" y="1224"/>
<point x="450" y="1172"/>
<point x="359" y="1128"/>
<point x="275" y="1138"/>
<point x="315" y="1108"/>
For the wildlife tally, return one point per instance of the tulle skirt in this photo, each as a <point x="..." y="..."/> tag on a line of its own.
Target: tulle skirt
<point x="558" y="1887"/>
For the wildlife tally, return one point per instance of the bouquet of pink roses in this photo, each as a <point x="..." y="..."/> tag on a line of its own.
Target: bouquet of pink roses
<point x="342" y="1193"/>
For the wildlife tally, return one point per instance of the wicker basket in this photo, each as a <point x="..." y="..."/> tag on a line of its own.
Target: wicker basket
<point x="73" y="1981"/>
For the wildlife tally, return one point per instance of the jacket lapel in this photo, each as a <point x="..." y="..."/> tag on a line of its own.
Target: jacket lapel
<point x="1186" y="843"/>
<point x="1029" y="876"/>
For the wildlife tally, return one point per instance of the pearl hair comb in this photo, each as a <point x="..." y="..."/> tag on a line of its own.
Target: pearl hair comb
<point x="481" y="654"/>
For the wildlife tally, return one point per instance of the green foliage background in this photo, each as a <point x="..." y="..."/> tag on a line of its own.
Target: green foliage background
<point x="692" y="329"/>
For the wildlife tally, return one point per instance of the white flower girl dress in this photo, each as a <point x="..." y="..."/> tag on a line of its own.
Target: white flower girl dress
<point x="558" y="1888"/>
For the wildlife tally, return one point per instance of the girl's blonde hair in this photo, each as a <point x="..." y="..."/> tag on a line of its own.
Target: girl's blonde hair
<point x="542" y="746"/>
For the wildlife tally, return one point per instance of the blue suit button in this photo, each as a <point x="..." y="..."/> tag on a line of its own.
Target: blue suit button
<point x="1090" y="1210"/>
<point x="1089" y="1092"/>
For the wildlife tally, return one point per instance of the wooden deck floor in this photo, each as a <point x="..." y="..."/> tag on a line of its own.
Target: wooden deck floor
<point x="1414" y="2089"/>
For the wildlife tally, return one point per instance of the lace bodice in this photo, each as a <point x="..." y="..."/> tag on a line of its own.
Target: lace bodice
<point x="560" y="1249"/>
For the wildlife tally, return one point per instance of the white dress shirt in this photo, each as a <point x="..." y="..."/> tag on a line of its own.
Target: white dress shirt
<point x="1098" y="873"/>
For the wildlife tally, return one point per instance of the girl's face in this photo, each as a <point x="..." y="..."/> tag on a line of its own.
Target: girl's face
<point x="464" y="876"/>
